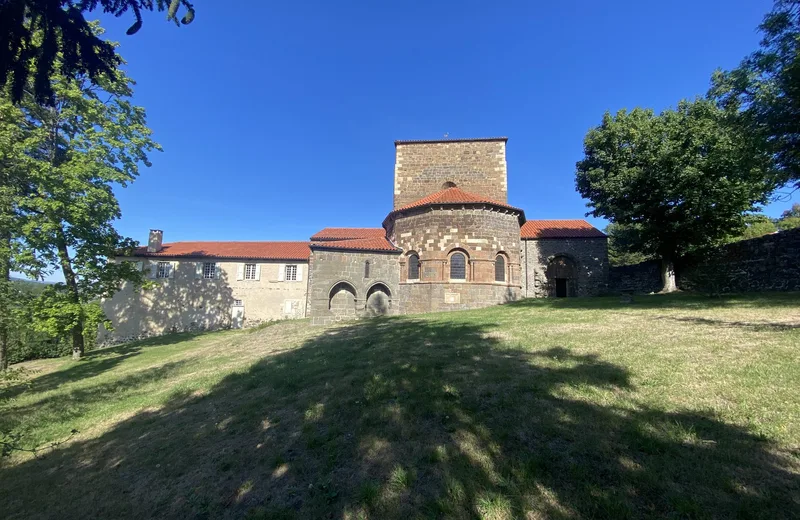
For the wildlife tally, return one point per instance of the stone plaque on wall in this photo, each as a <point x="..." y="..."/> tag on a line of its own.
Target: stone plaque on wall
<point x="429" y="273"/>
<point x="452" y="297"/>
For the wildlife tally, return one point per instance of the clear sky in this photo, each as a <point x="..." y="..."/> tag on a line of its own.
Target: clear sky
<point x="278" y="118"/>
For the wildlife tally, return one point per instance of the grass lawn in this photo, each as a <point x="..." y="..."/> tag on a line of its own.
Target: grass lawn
<point x="673" y="406"/>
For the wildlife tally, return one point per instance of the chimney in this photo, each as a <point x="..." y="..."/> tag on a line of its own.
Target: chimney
<point x="154" y="241"/>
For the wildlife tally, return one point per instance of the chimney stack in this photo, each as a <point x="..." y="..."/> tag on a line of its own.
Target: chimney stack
<point x="154" y="241"/>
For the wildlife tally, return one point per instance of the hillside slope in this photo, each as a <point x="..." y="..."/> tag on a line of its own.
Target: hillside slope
<point x="674" y="405"/>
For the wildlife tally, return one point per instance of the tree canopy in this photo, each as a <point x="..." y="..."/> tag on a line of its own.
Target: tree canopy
<point x="72" y="155"/>
<point x="790" y="218"/>
<point x="766" y="87"/>
<point x="682" y="180"/>
<point x="35" y="32"/>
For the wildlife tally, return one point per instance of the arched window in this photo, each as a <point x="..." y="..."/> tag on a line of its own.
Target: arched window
<point x="458" y="266"/>
<point x="499" y="269"/>
<point x="366" y="269"/>
<point x="413" y="267"/>
<point x="448" y="184"/>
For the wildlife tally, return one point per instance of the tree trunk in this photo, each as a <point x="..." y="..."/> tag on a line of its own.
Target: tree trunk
<point x="74" y="296"/>
<point x="668" y="283"/>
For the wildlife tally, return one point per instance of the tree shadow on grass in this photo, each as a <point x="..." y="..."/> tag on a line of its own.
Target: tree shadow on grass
<point x="756" y="326"/>
<point x="405" y="418"/>
<point x="678" y="300"/>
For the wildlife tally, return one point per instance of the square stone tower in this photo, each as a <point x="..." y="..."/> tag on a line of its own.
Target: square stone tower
<point x="475" y="165"/>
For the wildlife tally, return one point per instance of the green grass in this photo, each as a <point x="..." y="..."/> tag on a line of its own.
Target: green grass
<point x="670" y="407"/>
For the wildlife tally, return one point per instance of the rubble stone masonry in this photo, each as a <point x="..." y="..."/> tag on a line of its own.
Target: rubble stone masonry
<point x="476" y="166"/>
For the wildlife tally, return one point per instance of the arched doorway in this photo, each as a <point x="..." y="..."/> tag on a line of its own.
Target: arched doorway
<point x="342" y="300"/>
<point x="562" y="276"/>
<point x="379" y="300"/>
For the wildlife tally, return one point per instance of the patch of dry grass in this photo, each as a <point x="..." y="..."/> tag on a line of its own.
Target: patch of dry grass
<point x="673" y="406"/>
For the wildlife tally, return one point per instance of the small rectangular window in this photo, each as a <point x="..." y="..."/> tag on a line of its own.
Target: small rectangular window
<point x="249" y="271"/>
<point x="162" y="270"/>
<point x="291" y="273"/>
<point x="238" y="303"/>
<point x="209" y="270"/>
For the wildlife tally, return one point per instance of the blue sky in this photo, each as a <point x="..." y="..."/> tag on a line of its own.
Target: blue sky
<point x="278" y="118"/>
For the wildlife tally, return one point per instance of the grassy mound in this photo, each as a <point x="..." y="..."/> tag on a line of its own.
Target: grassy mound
<point x="673" y="406"/>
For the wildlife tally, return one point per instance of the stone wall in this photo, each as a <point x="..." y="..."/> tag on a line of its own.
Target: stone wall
<point x="589" y="265"/>
<point x="186" y="302"/>
<point x="476" y="166"/>
<point x="643" y="278"/>
<point x="338" y="289"/>
<point x="768" y="263"/>
<point x="424" y="297"/>
<point x="434" y="234"/>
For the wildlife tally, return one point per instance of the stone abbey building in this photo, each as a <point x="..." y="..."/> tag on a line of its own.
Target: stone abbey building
<point x="451" y="241"/>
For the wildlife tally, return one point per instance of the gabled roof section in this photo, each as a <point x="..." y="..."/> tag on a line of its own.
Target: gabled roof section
<point x="231" y="250"/>
<point x="377" y="244"/>
<point x="534" y="229"/>
<point x="335" y="233"/>
<point x="453" y="196"/>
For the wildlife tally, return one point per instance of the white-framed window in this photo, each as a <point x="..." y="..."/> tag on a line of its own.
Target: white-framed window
<point x="163" y="269"/>
<point x="291" y="273"/>
<point x="250" y="272"/>
<point x="238" y="303"/>
<point x="209" y="270"/>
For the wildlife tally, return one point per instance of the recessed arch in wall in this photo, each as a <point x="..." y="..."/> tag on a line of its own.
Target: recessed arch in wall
<point x="342" y="299"/>
<point x="379" y="299"/>
<point x="562" y="275"/>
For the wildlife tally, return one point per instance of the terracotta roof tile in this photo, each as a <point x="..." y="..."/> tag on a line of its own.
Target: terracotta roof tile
<point x="333" y="233"/>
<point x="358" y="244"/>
<point x="559" y="229"/>
<point x="453" y="196"/>
<point x="244" y="250"/>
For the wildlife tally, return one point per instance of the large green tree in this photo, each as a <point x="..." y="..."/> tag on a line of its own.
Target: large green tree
<point x="766" y="87"/>
<point x="683" y="179"/>
<point x="14" y="184"/>
<point x="75" y="152"/>
<point x="39" y="33"/>
<point x="621" y="242"/>
<point x="790" y="218"/>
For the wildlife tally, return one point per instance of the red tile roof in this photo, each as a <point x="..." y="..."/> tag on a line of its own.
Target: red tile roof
<point x="559" y="229"/>
<point x="244" y="250"/>
<point x="335" y="233"/>
<point x="453" y="196"/>
<point x="358" y="244"/>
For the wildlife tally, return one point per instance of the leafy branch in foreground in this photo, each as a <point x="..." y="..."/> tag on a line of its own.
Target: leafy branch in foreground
<point x="66" y="33"/>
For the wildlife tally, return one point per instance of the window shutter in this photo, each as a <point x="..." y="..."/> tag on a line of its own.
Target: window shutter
<point x="198" y="269"/>
<point x="281" y="272"/>
<point x="217" y="270"/>
<point x="172" y="267"/>
<point x="258" y="271"/>
<point x="139" y="266"/>
<point x="153" y="266"/>
<point x="240" y="272"/>
<point x="299" y="272"/>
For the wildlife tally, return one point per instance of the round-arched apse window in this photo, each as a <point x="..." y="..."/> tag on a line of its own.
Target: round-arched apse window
<point x="458" y="267"/>
<point x="448" y="184"/>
